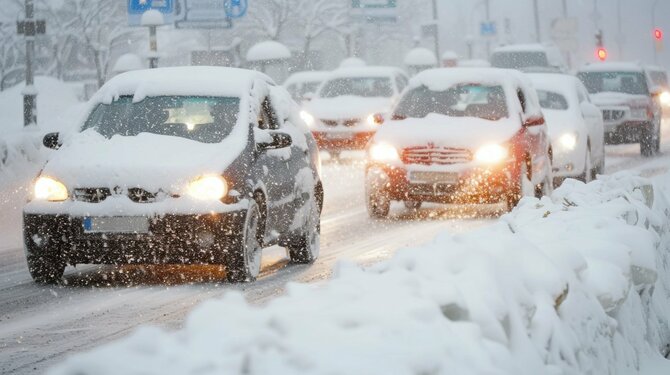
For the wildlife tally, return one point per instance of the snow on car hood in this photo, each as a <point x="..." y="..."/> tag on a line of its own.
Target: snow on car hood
<point x="444" y="131"/>
<point x="561" y="122"/>
<point x="152" y="162"/>
<point x="616" y="99"/>
<point x="347" y="107"/>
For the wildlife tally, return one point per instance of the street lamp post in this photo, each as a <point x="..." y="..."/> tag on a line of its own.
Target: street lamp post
<point x="152" y="18"/>
<point x="653" y="25"/>
<point x="536" y="13"/>
<point x="437" y="29"/>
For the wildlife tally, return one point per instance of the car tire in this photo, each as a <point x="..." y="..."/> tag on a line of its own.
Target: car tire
<point x="45" y="270"/>
<point x="521" y="188"/>
<point x="243" y="258"/>
<point x="413" y="205"/>
<point x="378" y="204"/>
<point x="587" y="176"/>
<point x="305" y="248"/>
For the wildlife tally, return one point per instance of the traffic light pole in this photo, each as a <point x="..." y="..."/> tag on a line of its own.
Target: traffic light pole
<point x="29" y="92"/>
<point x="653" y="24"/>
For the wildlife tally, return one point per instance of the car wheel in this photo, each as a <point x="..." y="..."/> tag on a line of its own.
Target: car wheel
<point x="243" y="260"/>
<point x="413" y="205"/>
<point x="650" y="141"/>
<point x="588" y="168"/>
<point x="378" y="204"/>
<point x="522" y="188"/>
<point x="305" y="248"/>
<point x="45" y="270"/>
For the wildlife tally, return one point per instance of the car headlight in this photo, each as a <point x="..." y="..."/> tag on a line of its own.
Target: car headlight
<point x="568" y="141"/>
<point x="307" y="118"/>
<point x="384" y="152"/>
<point x="208" y="188"/>
<point x="492" y="154"/>
<point x="49" y="189"/>
<point x="665" y="98"/>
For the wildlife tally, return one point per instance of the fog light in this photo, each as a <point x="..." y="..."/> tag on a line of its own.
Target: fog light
<point x="205" y="239"/>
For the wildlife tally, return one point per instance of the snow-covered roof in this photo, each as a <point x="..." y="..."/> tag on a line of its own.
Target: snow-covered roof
<point x="443" y="78"/>
<point x="521" y="48"/>
<point x="450" y="55"/>
<point x="309" y="76"/>
<point x="420" y="57"/>
<point x="475" y="63"/>
<point x="190" y="80"/>
<point x="612" y="67"/>
<point x="563" y="84"/>
<point x="352" y="62"/>
<point x="368" y="71"/>
<point x="655" y="68"/>
<point x="152" y="17"/>
<point x="128" y="62"/>
<point x="268" y="50"/>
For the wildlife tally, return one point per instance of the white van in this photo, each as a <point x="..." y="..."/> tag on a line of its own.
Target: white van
<point x="529" y="57"/>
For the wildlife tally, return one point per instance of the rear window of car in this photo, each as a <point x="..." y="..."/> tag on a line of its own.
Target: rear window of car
<point x="467" y="100"/>
<point x="519" y="60"/>
<point x="634" y="83"/>
<point x="369" y="87"/>
<point x="202" y="119"/>
<point x="552" y="100"/>
<point x="659" y="78"/>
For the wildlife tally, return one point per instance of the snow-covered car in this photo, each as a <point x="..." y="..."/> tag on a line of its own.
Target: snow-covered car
<point x="303" y="85"/>
<point x="628" y="101"/>
<point x="659" y="78"/>
<point x="342" y="115"/>
<point x="528" y="56"/>
<point x="575" y="126"/>
<point x="192" y="165"/>
<point x="460" y="135"/>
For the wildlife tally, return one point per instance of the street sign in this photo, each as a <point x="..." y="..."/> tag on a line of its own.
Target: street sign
<point x="210" y="14"/>
<point x="236" y="8"/>
<point x="360" y="4"/>
<point x="137" y="7"/>
<point x="374" y="11"/>
<point x="488" y="29"/>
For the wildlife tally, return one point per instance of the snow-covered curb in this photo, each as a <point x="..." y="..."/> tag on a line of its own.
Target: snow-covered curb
<point x="575" y="284"/>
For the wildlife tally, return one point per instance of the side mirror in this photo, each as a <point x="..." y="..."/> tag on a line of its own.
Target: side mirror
<point x="51" y="140"/>
<point x="378" y="118"/>
<point x="656" y="91"/>
<point x="534" y="121"/>
<point x="279" y="140"/>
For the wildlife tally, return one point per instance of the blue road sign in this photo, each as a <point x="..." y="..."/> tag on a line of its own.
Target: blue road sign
<point x="236" y="8"/>
<point x="488" y="29"/>
<point x="137" y="7"/>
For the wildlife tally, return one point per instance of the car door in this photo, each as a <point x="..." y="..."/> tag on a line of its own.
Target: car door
<point x="536" y="136"/>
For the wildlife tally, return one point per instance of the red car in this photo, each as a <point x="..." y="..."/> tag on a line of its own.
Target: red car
<point x="460" y="136"/>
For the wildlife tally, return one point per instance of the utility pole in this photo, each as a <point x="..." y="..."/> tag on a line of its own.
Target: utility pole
<point x="565" y="8"/>
<point x="653" y="25"/>
<point x="620" y="30"/>
<point x="30" y="28"/>
<point x="436" y="18"/>
<point x="488" y="21"/>
<point x="536" y="12"/>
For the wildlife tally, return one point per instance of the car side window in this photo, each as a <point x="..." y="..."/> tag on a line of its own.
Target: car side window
<point x="401" y="82"/>
<point x="267" y="117"/>
<point x="522" y="99"/>
<point x="582" y="95"/>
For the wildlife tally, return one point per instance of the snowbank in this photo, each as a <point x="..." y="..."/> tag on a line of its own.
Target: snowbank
<point x="574" y="284"/>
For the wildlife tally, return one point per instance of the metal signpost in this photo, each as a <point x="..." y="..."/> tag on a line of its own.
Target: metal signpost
<point x="136" y="8"/>
<point x="30" y="28"/>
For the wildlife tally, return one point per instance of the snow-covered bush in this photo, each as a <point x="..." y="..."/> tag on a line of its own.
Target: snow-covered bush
<point x="577" y="283"/>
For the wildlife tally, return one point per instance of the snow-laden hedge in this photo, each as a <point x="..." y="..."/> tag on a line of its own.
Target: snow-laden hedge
<point x="575" y="284"/>
<point x="21" y="155"/>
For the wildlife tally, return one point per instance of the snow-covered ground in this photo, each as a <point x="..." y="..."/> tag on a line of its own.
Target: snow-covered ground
<point x="40" y="326"/>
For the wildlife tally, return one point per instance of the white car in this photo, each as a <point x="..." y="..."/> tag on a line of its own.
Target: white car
<point x="575" y="126"/>
<point x="303" y="85"/>
<point x="528" y="56"/>
<point x="342" y="115"/>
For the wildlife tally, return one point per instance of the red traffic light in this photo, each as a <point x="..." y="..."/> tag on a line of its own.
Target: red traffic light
<point x="602" y="54"/>
<point x="658" y="34"/>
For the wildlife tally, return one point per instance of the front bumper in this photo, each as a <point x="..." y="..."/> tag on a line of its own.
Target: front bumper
<point x="171" y="239"/>
<point x="339" y="141"/>
<point x="622" y="132"/>
<point x="469" y="185"/>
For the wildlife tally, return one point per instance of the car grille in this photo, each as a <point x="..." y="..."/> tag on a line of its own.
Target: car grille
<point x="348" y="123"/>
<point x="613" y="114"/>
<point x="436" y="156"/>
<point x="97" y="195"/>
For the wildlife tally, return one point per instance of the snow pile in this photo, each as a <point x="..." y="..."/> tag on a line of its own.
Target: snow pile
<point x="267" y="51"/>
<point x="574" y="284"/>
<point x="421" y="57"/>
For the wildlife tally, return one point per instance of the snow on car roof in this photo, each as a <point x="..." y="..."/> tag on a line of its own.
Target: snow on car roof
<point x="268" y="50"/>
<point x="368" y="71"/>
<point x="612" y="67"/>
<point x="521" y="48"/>
<point x="308" y="76"/>
<point x="548" y="81"/>
<point x="443" y="78"/>
<point x="200" y="80"/>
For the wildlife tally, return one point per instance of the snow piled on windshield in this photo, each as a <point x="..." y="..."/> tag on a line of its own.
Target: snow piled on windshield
<point x="576" y="283"/>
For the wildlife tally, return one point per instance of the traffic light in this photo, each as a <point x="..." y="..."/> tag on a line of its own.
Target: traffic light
<point x="599" y="39"/>
<point x="658" y="34"/>
<point x="601" y="53"/>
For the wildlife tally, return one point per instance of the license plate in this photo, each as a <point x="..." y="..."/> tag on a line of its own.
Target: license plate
<point x="434" y="177"/>
<point x="339" y="136"/>
<point x="123" y="225"/>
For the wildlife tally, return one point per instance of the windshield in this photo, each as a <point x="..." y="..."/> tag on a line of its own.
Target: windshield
<point x="469" y="100"/>
<point x="371" y="87"/>
<point x="298" y="91"/>
<point x="552" y="100"/>
<point x="202" y="119"/>
<point x="519" y="60"/>
<point x="659" y="78"/>
<point x="633" y="83"/>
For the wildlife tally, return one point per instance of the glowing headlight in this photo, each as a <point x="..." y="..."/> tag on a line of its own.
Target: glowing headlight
<point x="307" y="118"/>
<point x="665" y="98"/>
<point x="383" y="152"/>
<point x="568" y="141"/>
<point x="492" y="154"/>
<point x="50" y="190"/>
<point x="208" y="188"/>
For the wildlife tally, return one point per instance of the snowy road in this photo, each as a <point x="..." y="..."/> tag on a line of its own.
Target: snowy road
<point x="40" y="325"/>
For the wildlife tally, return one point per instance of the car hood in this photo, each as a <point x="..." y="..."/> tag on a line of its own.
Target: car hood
<point x="347" y="107"/>
<point x="152" y="162"/>
<point x="561" y="122"/>
<point x="444" y="131"/>
<point x="618" y="99"/>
